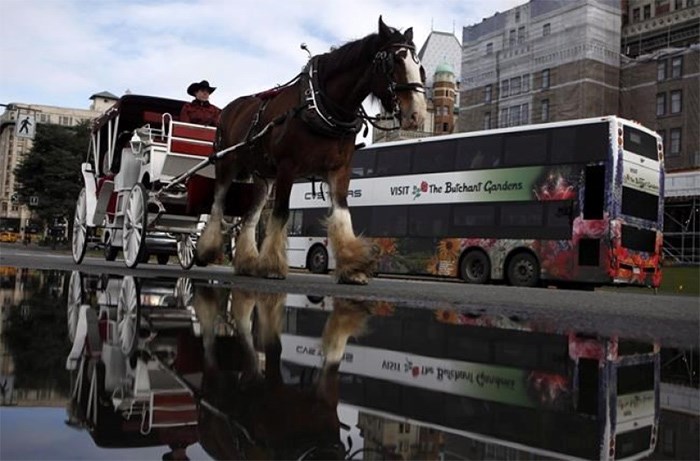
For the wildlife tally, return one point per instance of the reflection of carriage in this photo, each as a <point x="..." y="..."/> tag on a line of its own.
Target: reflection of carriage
<point x="141" y="185"/>
<point x="119" y="348"/>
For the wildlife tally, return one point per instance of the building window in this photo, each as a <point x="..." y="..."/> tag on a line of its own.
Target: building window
<point x="546" y="29"/>
<point x="503" y="118"/>
<point x="517" y="15"/>
<point x="676" y="101"/>
<point x="511" y="37"/>
<point x="635" y="15"/>
<point x="677" y="67"/>
<point x="661" y="71"/>
<point x="661" y="104"/>
<point x="525" y="113"/>
<point x="504" y="88"/>
<point x="678" y="4"/>
<point x="545" y="110"/>
<point x="545" y="79"/>
<point x="675" y="147"/>
<point x="514" y="86"/>
<point x="487" y="121"/>
<point x="521" y="34"/>
<point x="647" y="11"/>
<point x="526" y="83"/>
<point x="487" y="93"/>
<point x="514" y="116"/>
<point x="489" y="48"/>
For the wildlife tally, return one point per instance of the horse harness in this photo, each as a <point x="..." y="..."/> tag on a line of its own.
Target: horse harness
<point x="313" y="107"/>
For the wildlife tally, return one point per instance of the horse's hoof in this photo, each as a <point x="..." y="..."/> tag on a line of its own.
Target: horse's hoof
<point x="354" y="279"/>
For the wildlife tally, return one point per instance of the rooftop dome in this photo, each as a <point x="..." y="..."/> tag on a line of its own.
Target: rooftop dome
<point x="444" y="68"/>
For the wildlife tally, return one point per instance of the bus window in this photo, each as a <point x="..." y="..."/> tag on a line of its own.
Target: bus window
<point x="522" y="215"/>
<point x="639" y="142"/>
<point x="361" y="217"/>
<point x="394" y="160"/>
<point x="431" y="157"/>
<point x="473" y="216"/>
<point x="363" y="161"/>
<point x="429" y="220"/>
<point x="295" y="221"/>
<point x="479" y="152"/>
<point x="581" y="144"/>
<point x="529" y="148"/>
<point x="389" y="221"/>
<point x="313" y="222"/>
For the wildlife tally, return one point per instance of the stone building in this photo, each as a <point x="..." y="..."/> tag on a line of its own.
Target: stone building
<point x="546" y="60"/>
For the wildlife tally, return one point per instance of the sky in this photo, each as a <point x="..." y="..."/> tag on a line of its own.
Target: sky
<point x="60" y="52"/>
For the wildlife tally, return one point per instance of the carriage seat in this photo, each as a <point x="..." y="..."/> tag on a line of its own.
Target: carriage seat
<point x="188" y="145"/>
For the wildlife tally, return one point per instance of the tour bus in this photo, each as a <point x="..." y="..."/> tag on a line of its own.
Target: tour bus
<point x="510" y="383"/>
<point x="575" y="202"/>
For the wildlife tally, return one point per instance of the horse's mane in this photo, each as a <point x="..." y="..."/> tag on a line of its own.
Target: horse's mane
<point x="354" y="52"/>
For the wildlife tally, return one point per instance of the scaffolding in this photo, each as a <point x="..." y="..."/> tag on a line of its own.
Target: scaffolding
<point x="681" y="213"/>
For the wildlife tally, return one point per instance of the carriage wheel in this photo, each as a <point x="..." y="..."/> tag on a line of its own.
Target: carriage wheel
<point x="184" y="293"/>
<point x="135" y="217"/>
<point x="79" y="240"/>
<point x="75" y="300"/>
<point x="127" y="315"/>
<point x="185" y="251"/>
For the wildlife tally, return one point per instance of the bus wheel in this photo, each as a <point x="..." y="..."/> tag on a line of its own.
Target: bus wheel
<point x="475" y="267"/>
<point x="318" y="260"/>
<point x="523" y="270"/>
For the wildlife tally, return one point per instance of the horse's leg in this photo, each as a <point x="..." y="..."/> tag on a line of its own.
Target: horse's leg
<point x="206" y="307"/>
<point x="246" y="257"/>
<point x="347" y="319"/>
<point x="355" y="257"/>
<point x="210" y="243"/>
<point x="273" y="253"/>
<point x="242" y="305"/>
<point x="270" y="314"/>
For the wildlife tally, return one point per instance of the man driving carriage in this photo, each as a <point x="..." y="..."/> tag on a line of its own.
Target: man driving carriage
<point x="200" y="110"/>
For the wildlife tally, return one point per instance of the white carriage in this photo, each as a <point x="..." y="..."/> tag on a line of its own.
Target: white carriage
<point x="147" y="185"/>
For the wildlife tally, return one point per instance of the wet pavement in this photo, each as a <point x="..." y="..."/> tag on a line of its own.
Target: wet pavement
<point x="109" y="366"/>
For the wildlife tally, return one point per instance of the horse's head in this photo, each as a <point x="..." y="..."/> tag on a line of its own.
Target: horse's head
<point x="399" y="76"/>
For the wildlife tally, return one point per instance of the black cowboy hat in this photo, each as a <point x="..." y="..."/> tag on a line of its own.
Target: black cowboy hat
<point x="203" y="85"/>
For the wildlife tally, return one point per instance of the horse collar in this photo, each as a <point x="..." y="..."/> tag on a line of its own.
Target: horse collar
<point x="315" y="114"/>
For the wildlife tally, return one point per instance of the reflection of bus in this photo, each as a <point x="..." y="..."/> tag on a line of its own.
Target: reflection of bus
<point x="493" y="379"/>
<point x="577" y="201"/>
<point x="9" y="229"/>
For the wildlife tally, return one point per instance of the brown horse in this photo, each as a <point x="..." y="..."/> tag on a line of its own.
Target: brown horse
<point x="307" y="128"/>
<point x="250" y="412"/>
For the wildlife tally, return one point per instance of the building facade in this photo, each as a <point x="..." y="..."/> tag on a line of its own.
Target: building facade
<point x="546" y="60"/>
<point x="14" y="146"/>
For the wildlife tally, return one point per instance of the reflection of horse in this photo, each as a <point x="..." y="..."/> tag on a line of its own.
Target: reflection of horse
<point x="248" y="412"/>
<point x="307" y="129"/>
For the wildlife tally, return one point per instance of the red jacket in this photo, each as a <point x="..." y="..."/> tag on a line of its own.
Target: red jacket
<point x="200" y="112"/>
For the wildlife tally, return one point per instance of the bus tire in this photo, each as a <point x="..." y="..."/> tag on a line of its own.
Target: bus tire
<point x="317" y="260"/>
<point x="523" y="270"/>
<point x="475" y="267"/>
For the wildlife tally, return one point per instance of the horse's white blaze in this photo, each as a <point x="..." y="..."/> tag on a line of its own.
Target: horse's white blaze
<point x="416" y="111"/>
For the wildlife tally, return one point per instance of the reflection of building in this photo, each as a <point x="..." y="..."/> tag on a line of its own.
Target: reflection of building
<point x="385" y="438"/>
<point x="13" y="148"/>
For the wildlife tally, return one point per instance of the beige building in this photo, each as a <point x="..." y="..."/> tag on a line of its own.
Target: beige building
<point x="17" y="124"/>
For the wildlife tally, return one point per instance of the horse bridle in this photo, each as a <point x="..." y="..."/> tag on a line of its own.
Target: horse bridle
<point x="384" y="63"/>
